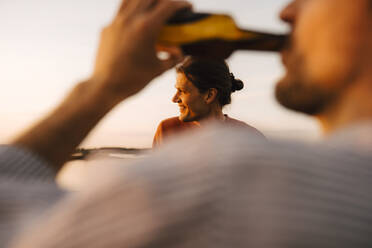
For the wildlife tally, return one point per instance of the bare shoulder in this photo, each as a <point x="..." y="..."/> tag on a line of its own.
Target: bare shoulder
<point x="171" y="121"/>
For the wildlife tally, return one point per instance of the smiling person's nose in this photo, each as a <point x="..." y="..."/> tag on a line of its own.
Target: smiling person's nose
<point x="175" y="98"/>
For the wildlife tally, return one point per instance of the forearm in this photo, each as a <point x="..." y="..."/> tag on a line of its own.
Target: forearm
<point x="56" y="136"/>
<point x="126" y="62"/>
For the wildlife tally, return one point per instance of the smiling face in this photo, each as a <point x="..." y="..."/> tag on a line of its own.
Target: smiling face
<point x="192" y="103"/>
<point x="330" y="48"/>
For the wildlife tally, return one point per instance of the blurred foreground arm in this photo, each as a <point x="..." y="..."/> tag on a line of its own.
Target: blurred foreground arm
<point x="126" y="62"/>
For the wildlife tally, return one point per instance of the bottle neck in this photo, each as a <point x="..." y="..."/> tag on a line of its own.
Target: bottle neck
<point x="259" y="41"/>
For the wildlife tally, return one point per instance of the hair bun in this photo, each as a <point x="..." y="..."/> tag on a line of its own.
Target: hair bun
<point x="236" y="84"/>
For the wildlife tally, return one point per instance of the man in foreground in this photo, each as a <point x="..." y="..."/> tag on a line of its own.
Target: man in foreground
<point x="224" y="188"/>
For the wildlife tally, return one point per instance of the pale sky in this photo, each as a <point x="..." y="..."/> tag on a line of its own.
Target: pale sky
<point x="46" y="46"/>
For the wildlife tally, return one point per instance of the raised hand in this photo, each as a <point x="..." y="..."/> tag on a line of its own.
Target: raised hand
<point x="127" y="57"/>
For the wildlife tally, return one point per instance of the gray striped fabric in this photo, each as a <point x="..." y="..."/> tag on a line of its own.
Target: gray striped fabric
<point x="22" y="204"/>
<point x="22" y="165"/>
<point x="27" y="190"/>
<point x="220" y="188"/>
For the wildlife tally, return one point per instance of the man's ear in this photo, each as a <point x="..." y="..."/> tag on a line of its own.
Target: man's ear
<point x="211" y="95"/>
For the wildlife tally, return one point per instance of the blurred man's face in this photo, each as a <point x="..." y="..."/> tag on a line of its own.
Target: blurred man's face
<point x="330" y="47"/>
<point x="190" y="101"/>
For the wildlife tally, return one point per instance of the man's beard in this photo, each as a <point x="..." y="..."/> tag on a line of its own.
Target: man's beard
<point x="296" y="91"/>
<point x="300" y="97"/>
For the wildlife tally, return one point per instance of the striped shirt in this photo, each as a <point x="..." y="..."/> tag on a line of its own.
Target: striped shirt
<point x="221" y="187"/>
<point x="27" y="189"/>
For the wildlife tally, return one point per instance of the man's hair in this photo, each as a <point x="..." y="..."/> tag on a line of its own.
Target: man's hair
<point x="206" y="74"/>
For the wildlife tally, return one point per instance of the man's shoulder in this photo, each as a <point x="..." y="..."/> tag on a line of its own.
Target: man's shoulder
<point x="241" y="146"/>
<point x="242" y="124"/>
<point x="236" y="122"/>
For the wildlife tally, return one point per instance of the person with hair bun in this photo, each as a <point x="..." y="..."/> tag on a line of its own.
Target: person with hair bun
<point x="204" y="87"/>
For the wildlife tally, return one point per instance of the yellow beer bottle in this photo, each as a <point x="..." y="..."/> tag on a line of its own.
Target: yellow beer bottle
<point x="215" y="35"/>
